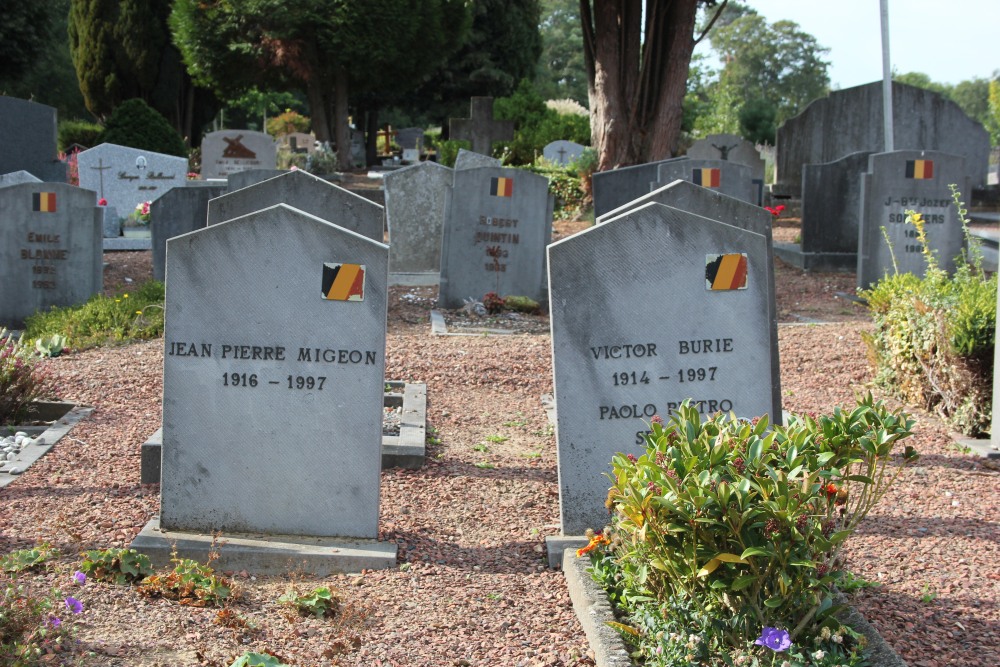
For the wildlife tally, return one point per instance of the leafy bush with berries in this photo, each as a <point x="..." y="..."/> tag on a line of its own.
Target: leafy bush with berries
<point x="731" y="529"/>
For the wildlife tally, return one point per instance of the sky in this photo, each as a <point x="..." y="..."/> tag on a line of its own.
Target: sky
<point x="950" y="41"/>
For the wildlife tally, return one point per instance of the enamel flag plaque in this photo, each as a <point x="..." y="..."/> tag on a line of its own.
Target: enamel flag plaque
<point x="344" y="282"/>
<point x="726" y="272"/>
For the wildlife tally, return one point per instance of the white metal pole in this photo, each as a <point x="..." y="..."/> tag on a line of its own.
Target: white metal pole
<point x="886" y="78"/>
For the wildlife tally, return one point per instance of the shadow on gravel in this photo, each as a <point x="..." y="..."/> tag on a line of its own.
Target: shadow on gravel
<point x="516" y="557"/>
<point x="931" y="526"/>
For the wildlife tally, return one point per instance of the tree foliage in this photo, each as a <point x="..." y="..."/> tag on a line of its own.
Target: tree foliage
<point x="134" y="123"/>
<point x="24" y="33"/>
<point x="328" y="48"/>
<point x="561" y="72"/>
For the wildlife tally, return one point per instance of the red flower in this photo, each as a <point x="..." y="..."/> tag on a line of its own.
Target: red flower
<point x="831" y="491"/>
<point x="102" y="202"/>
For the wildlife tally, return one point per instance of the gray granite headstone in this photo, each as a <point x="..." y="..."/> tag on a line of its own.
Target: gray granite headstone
<point x="830" y="193"/>
<point x="504" y="211"/>
<point x="563" y="152"/>
<point x="616" y="187"/>
<point x="690" y="198"/>
<point x="16" y="177"/>
<point x="636" y="332"/>
<point x="850" y="120"/>
<point x="414" y="211"/>
<point x="733" y="148"/>
<point x="229" y="151"/>
<point x="273" y="377"/>
<point x="244" y="179"/>
<point x="179" y="211"/>
<point x="127" y="176"/>
<point x="307" y="193"/>
<point x="50" y="248"/>
<point x="111" y="223"/>
<point x="28" y="140"/>
<point x="410" y="137"/>
<point x="470" y="160"/>
<point x="299" y="142"/>
<point x="901" y="181"/>
<point x="481" y="129"/>
<point x="728" y="178"/>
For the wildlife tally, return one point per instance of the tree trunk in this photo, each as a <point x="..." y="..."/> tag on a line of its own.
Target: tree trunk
<point x="637" y="76"/>
<point x="371" y="137"/>
<point x="341" y="129"/>
<point x="317" y="110"/>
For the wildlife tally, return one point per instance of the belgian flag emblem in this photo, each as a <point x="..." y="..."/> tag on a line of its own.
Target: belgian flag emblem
<point x="706" y="178"/>
<point x="921" y="169"/>
<point x="726" y="272"/>
<point x="44" y="202"/>
<point x="502" y="187"/>
<point x="344" y="282"/>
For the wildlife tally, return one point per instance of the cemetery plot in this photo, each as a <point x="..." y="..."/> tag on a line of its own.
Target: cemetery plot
<point x="901" y="181"/>
<point x="652" y="308"/>
<point x="259" y="353"/>
<point x="229" y="151"/>
<point x="50" y="248"/>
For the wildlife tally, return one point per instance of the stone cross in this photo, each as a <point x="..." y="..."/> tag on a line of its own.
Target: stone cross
<point x="562" y="155"/>
<point x="100" y="172"/>
<point x="480" y="128"/>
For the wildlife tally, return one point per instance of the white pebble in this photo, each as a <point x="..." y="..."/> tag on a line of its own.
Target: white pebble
<point x="15" y="471"/>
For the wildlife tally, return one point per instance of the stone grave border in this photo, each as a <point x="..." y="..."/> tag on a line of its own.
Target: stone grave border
<point x="406" y="450"/>
<point x="440" y="328"/>
<point x="63" y="417"/>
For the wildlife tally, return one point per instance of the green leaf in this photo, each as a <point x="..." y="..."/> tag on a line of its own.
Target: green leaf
<point x="709" y="567"/>
<point x="773" y="603"/>
<point x="756" y="551"/>
<point x="730" y="558"/>
<point x="861" y="478"/>
<point x="743" y="581"/>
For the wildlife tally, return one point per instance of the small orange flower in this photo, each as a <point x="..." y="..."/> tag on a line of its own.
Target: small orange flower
<point x="595" y="541"/>
<point x="831" y="491"/>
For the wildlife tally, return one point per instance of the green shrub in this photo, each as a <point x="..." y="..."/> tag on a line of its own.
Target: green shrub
<point x="934" y="336"/>
<point x="288" y="122"/>
<point x="134" y="123"/>
<point x="21" y="382"/>
<point x="80" y="132"/>
<point x="116" y="565"/>
<point x="536" y="125"/>
<point x="447" y="151"/>
<point x="258" y="660"/>
<point x="189" y="583"/>
<point x="726" y="527"/>
<point x="24" y="560"/>
<point x="319" y="602"/>
<point x="129" y="316"/>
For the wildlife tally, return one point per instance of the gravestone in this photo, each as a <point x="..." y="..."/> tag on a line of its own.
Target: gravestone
<point x="229" y="151"/>
<point x="28" y="140"/>
<point x="410" y="138"/>
<point x="414" y="212"/>
<point x="733" y="148"/>
<point x="179" y="211"/>
<point x="617" y="187"/>
<point x="275" y="337"/>
<point x="830" y="193"/>
<point x="470" y="160"/>
<point x="244" y="179"/>
<point x="299" y="142"/>
<point x="126" y="177"/>
<point x="17" y="177"/>
<point x="307" y="193"/>
<point x="908" y="180"/>
<point x="480" y="128"/>
<point x="851" y="120"/>
<point x="563" y="152"/>
<point x="635" y="332"/>
<point x="50" y="248"/>
<point x="497" y="224"/>
<point x="728" y="178"/>
<point x="690" y="198"/>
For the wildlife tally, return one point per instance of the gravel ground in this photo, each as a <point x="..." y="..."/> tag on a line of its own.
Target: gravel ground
<point x="472" y="587"/>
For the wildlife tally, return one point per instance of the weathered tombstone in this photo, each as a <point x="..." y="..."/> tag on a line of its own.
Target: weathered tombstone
<point x="50" y="248"/>
<point x="690" y="198"/>
<point x="294" y="357"/>
<point x="470" y="160"/>
<point x="563" y="152"/>
<point x="901" y="181"/>
<point x="17" y="177"/>
<point x="616" y="187"/>
<point x="307" y="193"/>
<point x="733" y="148"/>
<point x="850" y="120"/>
<point x="126" y="177"/>
<point x="480" y="128"/>
<point x="414" y="212"/>
<point x="244" y="179"/>
<point x="653" y="307"/>
<point x="410" y="138"/>
<point x="729" y="178"/>
<point x="299" y="142"/>
<point x="179" y="211"/>
<point x="28" y="140"/>
<point x="830" y="193"/>
<point x="497" y="223"/>
<point x="228" y="151"/>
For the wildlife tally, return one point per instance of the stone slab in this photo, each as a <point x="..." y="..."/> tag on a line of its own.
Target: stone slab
<point x="470" y="160"/>
<point x="265" y="554"/>
<point x="177" y="212"/>
<point x="414" y="212"/>
<point x="727" y="178"/>
<point x="229" y="151"/>
<point x="28" y="137"/>
<point x="63" y="417"/>
<point x="128" y="176"/>
<point x="16" y="177"/>
<point x="563" y="152"/>
<point x="480" y="129"/>
<point x="731" y="147"/>
<point x="122" y="243"/>
<point x="617" y="187"/>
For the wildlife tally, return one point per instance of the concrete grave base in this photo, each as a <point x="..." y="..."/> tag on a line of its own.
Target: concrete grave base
<point x="415" y="278"/>
<point x="266" y="554"/>
<point x="791" y="253"/>
<point x="405" y="450"/>
<point x="63" y="417"/>
<point x="122" y="243"/>
<point x="560" y="547"/>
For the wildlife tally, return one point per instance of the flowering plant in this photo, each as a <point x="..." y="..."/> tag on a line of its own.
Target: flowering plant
<point x="102" y="202"/>
<point x="140" y="216"/>
<point x="775" y="210"/>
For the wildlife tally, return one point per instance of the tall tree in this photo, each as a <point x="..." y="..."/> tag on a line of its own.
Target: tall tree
<point x="24" y="32"/>
<point x="637" y="55"/>
<point x="122" y="50"/>
<point x="319" y="46"/>
<point x="561" y="70"/>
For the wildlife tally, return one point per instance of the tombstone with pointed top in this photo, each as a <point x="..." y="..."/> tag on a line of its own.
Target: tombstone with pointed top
<point x="480" y="129"/>
<point x="228" y="151"/>
<point x="728" y="178"/>
<point x="179" y="211"/>
<point x="563" y="152"/>
<point x="617" y="187"/>
<point x="307" y="193"/>
<point x="16" y="177"/>
<point x="470" y="160"/>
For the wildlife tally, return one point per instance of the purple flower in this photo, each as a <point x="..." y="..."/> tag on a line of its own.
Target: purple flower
<point x="74" y="605"/>
<point x="80" y="578"/>
<point x="54" y="621"/>
<point x="775" y="639"/>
